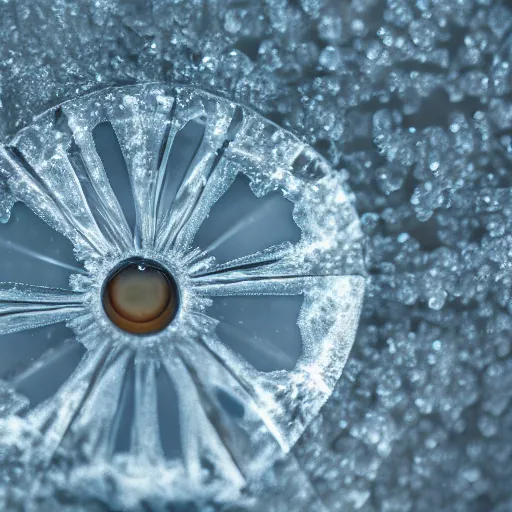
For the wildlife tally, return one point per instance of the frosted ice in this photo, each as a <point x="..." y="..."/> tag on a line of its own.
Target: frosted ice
<point x="55" y="167"/>
<point x="416" y="113"/>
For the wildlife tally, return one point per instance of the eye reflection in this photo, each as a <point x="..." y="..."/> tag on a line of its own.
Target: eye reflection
<point x="140" y="297"/>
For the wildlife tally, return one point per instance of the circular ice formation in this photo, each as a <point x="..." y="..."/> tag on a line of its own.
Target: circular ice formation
<point x="259" y="234"/>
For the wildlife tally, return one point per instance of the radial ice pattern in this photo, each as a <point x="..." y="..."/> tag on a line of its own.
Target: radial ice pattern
<point x="178" y="415"/>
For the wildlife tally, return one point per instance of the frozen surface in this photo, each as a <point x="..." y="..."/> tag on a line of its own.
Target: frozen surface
<point x="412" y="100"/>
<point x="285" y="292"/>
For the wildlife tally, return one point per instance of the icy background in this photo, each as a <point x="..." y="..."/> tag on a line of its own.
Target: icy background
<point x="413" y="101"/>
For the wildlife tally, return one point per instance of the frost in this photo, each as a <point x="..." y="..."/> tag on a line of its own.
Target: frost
<point x="10" y="401"/>
<point x="56" y="166"/>
<point x="6" y="204"/>
<point x="416" y="113"/>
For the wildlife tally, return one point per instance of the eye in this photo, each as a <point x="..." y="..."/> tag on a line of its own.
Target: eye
<point x="140" y="297"/>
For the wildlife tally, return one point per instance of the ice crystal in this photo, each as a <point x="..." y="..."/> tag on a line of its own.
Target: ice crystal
<point x="235" y="421"/>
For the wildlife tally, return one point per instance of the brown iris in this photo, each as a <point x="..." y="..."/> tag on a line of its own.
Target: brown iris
<point x="140" y="297"/>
